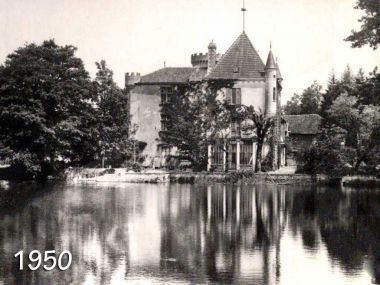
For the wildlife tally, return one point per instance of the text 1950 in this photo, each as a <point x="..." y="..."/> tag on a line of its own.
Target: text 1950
<point x="49" y="260"/>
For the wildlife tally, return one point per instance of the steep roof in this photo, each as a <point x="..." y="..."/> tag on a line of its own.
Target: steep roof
<point x="279" y="76"/>
<point x="168" y="75"/>
<point x="241" y="61"/>
<point x="271" y="64"/>
<point x="306" y="124"/>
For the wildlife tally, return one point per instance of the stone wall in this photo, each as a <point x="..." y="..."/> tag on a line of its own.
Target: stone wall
<point x="145" y="112"/>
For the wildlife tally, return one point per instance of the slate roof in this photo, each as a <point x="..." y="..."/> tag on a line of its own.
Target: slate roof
<point x="271" y="64"/>
<point x="241" y="61"/>
<point x="307" y="124"/>
<point x="168" y="75"/>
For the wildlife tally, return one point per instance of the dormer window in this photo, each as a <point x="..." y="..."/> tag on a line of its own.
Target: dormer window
<point x="236" y="69"/>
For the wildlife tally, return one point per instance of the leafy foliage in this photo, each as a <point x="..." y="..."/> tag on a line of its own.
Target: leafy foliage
<point x="45" y="114"/>
<point x="351" y="106"/>
<point x="361" y="121"/>
<point x="260" y="124"/>
<point x="369" y="32"/>
<point x="114" y="145"/>
<point x="308" y="102"/>
<point x="196" y="117"/>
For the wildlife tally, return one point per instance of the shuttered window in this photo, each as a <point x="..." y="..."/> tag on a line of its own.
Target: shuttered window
<point x="233" y="96"/>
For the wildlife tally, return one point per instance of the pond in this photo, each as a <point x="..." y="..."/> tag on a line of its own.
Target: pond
<point x="196" y="234"/>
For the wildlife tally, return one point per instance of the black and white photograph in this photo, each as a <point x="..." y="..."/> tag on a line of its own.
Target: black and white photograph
<point x="189" y="142"/>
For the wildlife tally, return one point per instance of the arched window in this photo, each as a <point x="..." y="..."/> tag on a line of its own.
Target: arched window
<point x="274" y="94"/>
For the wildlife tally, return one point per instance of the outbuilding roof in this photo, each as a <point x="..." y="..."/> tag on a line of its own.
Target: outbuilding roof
<point x="306" y="124"/>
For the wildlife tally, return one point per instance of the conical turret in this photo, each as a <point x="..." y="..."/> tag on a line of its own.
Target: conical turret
<point x="271" y="85"/>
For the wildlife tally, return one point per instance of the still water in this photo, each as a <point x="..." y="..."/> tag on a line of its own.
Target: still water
<point x="189" y="234"/>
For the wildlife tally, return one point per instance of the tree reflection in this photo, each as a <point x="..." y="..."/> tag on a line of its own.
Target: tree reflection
<point x="191" y="233"/>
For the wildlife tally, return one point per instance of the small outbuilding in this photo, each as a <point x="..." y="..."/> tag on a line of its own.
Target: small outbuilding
<point x="300" y="132"/>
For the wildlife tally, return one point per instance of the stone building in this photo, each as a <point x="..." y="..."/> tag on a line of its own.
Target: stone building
<point x="255" y="83"/>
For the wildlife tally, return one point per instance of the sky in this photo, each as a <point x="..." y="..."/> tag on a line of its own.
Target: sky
<point x="140" y="35"/>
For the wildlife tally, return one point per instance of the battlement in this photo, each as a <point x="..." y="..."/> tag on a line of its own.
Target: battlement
<point x="201" y="59"/>
<point x="132" y="78"/>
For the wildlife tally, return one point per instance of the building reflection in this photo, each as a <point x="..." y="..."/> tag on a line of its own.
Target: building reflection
<point x="192" y="233"/>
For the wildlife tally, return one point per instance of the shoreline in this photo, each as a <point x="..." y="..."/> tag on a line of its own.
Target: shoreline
<point x="120" y="175"/>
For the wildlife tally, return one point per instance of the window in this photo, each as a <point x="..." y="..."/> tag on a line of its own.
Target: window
<point x="164" y="122"/>
<point x="166" y="93"/>
<point x="164" y="150"/>
<point x="234" y="96"/>
<point x="274" y="94"/>
<point x="235" y="129"/>
<point x="245" y="153"/>
<point x="217" y="154"/>
<point x="164" y="126"/>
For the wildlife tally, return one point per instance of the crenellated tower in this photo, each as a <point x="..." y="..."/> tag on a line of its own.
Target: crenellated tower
<point x="131" y="79"/>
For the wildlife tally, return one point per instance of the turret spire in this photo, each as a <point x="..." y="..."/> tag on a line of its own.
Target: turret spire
<point x="243" y="10"/>
<point x="271" y="64"/>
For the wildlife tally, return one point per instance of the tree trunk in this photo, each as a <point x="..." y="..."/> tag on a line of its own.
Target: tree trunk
<point x="103" y="159"/>
<point x="259" y="152"/>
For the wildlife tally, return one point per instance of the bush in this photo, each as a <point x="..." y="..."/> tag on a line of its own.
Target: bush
<point x="129" y="165"/>
<point x="326" y="157"/>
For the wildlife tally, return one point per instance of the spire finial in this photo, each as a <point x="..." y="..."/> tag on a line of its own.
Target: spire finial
<point x="270" y="44"/>
<point x="243" y="10"/>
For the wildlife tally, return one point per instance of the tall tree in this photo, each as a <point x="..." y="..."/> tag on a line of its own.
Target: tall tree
<point x="311" y="99"/>
<point x="293" y="106"/>
<point x="257" y="123"/>
<point x="46" y="117"/>
<point x="332" y="92"/>
<point x="361" y="121"/>
<point x="308" y="102"/>
<point x="369" y="32"/>
<point x="196" y="116"/>
<point x="114" y="145"/>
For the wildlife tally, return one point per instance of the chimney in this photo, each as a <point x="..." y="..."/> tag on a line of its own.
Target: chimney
<point x="211" y="61"/>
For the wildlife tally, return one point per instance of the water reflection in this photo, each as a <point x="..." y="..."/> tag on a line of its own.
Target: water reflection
<point x="143" y="233"/>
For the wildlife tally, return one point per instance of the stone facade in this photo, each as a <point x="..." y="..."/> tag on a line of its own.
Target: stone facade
<point x="256" y="84"/>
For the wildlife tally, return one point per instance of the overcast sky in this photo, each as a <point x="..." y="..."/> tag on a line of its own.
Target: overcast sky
<point x="139" y="35"/>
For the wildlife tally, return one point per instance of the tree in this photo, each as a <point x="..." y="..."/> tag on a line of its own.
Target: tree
<point x="361" y="122"/>
<point x="311" y="99"/>
<point x="369" y="32"/>
<point x="346" y="84"/>
<point x="259" y="124"/>
<point x="46" y="119"/>
<point x="195" y="117"/>
<point x="308" y="102"/>
<point x="368" y="88"/>
<point x="293" y="107"/>
<point x="113" y="118"/>
<point x="332" y="92"/>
